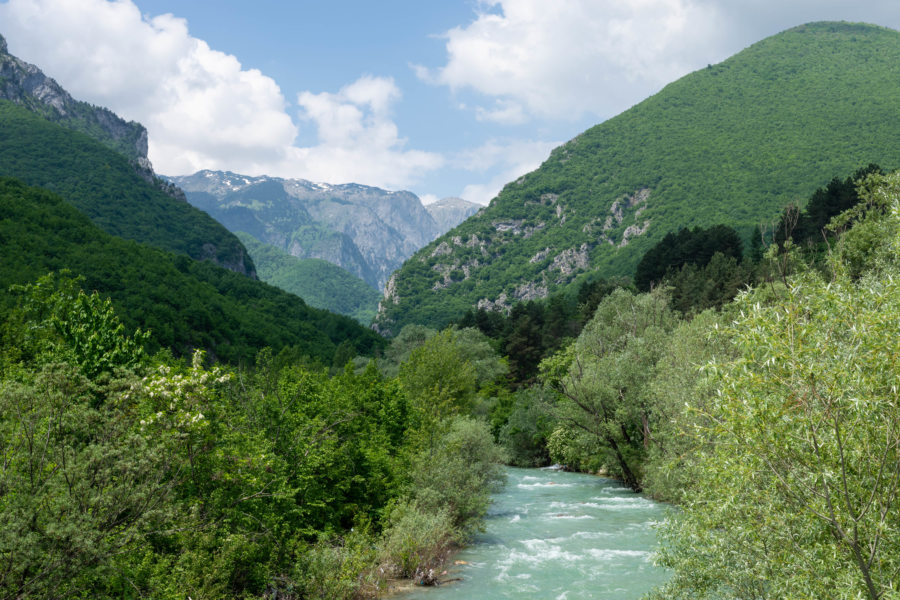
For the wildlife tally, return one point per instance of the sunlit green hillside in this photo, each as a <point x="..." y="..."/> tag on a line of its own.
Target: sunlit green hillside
<point x="731" y="144"/>
<point x="105" y="186"/>
<point x="320" y="283"/>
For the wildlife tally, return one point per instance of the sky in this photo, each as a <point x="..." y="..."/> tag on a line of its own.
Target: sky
<point x="439" y="97"/>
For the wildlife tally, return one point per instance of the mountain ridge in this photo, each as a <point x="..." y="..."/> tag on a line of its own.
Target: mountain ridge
<point x="366" y="230"/>
<point x="98" y="163"/>
<point x="731" y="143"/>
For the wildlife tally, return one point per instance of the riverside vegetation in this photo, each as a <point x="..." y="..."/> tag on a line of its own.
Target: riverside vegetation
<point x="753" y="384"/>
<point x="770" y="420"/>
<point x="126" y="475"/>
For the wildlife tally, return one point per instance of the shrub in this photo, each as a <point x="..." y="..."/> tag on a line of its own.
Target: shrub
<point x="416" y="540"/>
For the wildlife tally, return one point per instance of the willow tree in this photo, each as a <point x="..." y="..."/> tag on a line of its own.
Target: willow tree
<point x="797" y="492"/>
<point x="604" y="409"/>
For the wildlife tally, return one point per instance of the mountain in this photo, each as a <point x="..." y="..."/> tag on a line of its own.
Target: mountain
<point x="25" y="84"/>
<point x="185" y="304"/>
<point x="450" y="212"/>
<point x="320" y="283"/>
<point x="731" y="144"/>
<point x="98" y="163"/>
<point x="366" y="230"/>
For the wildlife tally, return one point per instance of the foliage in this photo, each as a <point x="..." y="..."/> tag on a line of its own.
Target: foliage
<point x="437" y="377"/>
<point x="729" y="144"/>
<point x="320" y="283"/>
<point x="695" y="247"/>
<point x="458" y="473"/>
<point x="56" y="321"/>
<point x="695" y="289"/>
<point x="79" y="486"/>
<point x="533" y="330"/>
<point x="184" y="304"/>
<point x="402" y="345"/>
<point x="808" y="226"/>
<point x="795" y="490"/>
<point x="416" y="540"/>
<point x="335" y="569"/>
<point x="601" y="378"/>
<point x="684" y="396"/>
<point x="104" y="185"/>
<point x="527" y="427"/>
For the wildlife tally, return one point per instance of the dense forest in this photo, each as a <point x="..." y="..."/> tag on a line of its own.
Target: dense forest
<point x="183" y="303"/>
<point x="105" y="186"/>
<point x="320" y="283"/>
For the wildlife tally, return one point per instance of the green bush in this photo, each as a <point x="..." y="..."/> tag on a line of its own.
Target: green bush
<point x="459" y="473"/>
<point x="335" y="569"/>
<point x="416" y="540"/>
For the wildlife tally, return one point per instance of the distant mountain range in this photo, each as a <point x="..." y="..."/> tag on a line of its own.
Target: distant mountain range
<point x="731" y="144"/>
<point x="77" y="194"/>
<point x="365" y="230"/>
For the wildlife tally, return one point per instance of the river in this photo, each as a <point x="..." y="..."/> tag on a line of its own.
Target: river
<point x="558" y="536"/>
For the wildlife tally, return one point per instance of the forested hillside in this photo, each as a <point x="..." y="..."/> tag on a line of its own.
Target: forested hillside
<point x="730" y="144"/>
<point x="183" y="303"/>
<point x="320" y="283"/>
<point x="105" y="186"/>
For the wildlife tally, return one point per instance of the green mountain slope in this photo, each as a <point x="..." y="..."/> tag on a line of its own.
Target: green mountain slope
<point x="732" y="143"/>
<point x="103" y="185"/>
<point x="185" y="303"/>
<point x="26" y="85"/>
<point x="320" y="283"/>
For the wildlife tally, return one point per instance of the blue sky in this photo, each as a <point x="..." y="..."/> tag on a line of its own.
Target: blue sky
<point x="444" y="98"/>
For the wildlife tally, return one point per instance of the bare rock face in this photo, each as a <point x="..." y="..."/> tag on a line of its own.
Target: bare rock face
<point x="450" y="212"/>
<point x="378" y="229"/>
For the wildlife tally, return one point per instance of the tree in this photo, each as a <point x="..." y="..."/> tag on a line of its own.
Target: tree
<point x="439" y="381"/>
<point x="57" y="321"/>
<point x="601" y="380"/>
<point x="796" y="492"/>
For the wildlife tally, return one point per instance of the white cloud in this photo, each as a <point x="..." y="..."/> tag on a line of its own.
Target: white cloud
<point x="569" y="58"/>
<point x="202" y="109"/>
<point x="358" y="141"/>
<point x="505" y="161"/>
<point x="564" y="58"/>
<point x="505" y="112"/>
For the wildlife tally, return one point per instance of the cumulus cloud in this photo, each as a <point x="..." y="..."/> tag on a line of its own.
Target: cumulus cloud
<point x="203" y="110"/>
<point x="358" y="140"/>
<point x="200" y="107"/>
<point x="503" y="161"/>
<point x="564" y="58"/>
<point x="567" y="58"/>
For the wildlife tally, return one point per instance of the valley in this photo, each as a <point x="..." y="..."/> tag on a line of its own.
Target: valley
<point x="662" y="364"/>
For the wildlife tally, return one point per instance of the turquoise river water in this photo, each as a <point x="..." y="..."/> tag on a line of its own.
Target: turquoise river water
<point x="558" y="536"/>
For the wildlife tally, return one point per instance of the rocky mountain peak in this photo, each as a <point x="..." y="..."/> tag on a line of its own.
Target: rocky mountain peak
<point x="366" y="230"/>
<point x="26" y="85"/>
<point x="450" y="212"/>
